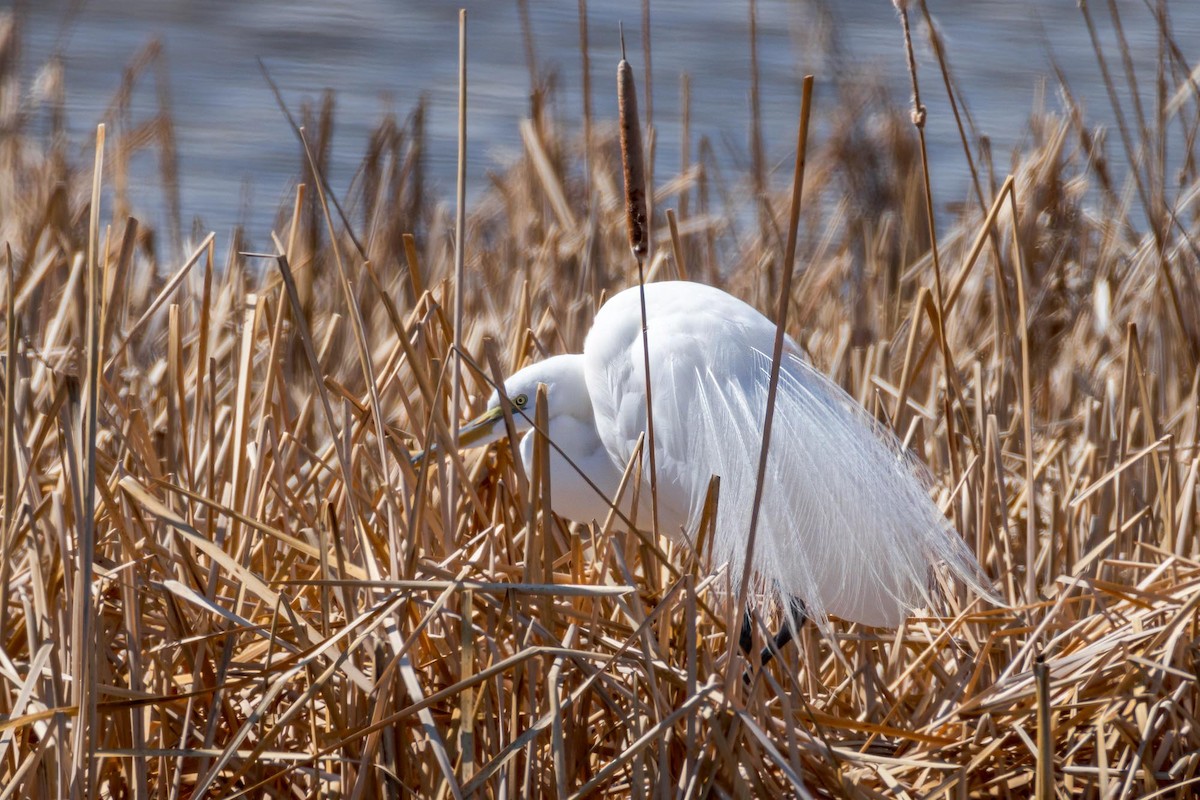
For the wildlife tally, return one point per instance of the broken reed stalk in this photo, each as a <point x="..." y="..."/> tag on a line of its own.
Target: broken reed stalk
<point x="543" y="551"/>
<point x="637" y="225"/>
<point x="414" y="267"/>
<point x="306" y="272"/>
<point x="8" y="437"/>
<point x="460" y="284"/>
<point x="85" y="661"/>
<point x="758" y="169"/>
<point x="1031" y="535"/>
<point x="1045" y="736"/>
<point x="676" y="245"/>
<point x="781" y="312"/>
<point x="466" y="738"/>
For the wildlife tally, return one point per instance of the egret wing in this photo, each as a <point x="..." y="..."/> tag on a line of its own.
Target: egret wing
<point x="846" y="522"/>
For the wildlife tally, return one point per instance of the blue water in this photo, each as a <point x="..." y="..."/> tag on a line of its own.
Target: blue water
<point x="239" y="159"/>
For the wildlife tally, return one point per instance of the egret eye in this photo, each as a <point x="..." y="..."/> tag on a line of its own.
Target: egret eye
<point x="521" y="400"/>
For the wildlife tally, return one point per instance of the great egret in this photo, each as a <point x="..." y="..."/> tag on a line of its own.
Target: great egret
<point x="847" y="525"/>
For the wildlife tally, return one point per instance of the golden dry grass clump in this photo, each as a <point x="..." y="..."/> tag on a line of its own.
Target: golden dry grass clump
<point x="221" y="576"/>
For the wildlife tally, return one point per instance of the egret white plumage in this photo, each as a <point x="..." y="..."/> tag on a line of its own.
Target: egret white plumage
<point x="847" y="524"/>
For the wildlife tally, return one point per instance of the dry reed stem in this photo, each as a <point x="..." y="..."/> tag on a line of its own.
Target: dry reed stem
<point x="460" y="282"/>
<point x="637" y="225"/>
<point x="784" y="304"/>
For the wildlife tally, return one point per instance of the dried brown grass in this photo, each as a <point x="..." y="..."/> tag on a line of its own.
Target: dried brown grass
<point x="281" y="605"/>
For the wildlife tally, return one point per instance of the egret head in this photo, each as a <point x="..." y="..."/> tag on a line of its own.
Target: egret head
<point x="566" y="393"/>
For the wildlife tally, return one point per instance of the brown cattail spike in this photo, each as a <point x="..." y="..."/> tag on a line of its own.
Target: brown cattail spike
<point x="631" y="160"/>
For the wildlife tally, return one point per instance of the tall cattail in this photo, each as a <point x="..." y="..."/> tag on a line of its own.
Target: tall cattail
<point x="637" y="224"/>
<point x="631" y="160"/>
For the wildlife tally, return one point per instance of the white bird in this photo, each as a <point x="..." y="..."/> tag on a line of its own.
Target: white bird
<point x="847" y="524"/>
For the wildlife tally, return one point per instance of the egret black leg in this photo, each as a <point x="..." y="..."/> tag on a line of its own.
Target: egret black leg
<point x="799" y="615"/>
<point x="746" y="641"/>
<point x="786" y="632"/>
<point x="746" y="637"/>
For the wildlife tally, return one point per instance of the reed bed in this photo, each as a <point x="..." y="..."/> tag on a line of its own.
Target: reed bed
<point x="221" y="576"/>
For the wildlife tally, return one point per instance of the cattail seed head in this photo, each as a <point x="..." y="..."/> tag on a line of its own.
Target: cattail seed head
<point x="631" y="161"/>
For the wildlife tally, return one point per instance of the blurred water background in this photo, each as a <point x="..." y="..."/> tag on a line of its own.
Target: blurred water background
<point x="238" y="159"/>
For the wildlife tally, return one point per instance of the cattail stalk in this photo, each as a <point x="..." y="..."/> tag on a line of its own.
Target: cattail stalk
<point x="637" y="226"/>
<point x="1045" y="749"/>
<point x="785" y="294"/>
<point x="7" y="437"/>
<point x="460" y="224"/>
